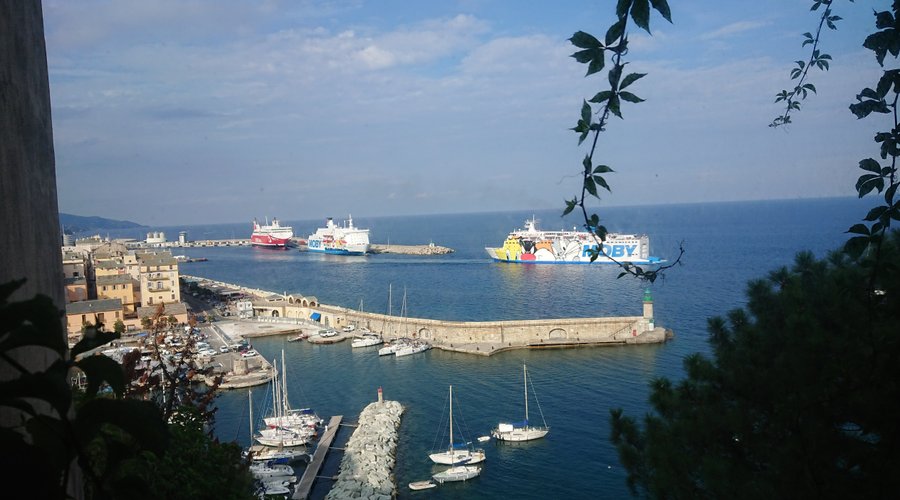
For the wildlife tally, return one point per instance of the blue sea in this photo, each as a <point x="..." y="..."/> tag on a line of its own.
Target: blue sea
<point x="726" y="245"/>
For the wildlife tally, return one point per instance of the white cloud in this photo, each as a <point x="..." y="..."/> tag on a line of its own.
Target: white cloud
<point x="733" y="29"/>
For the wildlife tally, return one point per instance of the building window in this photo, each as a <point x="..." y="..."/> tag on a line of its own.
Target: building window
<point x="74" y="274"/>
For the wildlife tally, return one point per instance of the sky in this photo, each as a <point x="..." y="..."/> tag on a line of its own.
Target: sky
<point x="211" y="111"/>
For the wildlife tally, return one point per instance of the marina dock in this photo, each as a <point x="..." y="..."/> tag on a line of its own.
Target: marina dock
<point x="312" y="470"/>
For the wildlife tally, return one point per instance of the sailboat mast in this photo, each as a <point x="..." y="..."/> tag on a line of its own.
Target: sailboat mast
<point x="451" y="424"/>
<point x="250" y="399"/>
<point x="284" y="402"/>
<point x="525" y="372"/>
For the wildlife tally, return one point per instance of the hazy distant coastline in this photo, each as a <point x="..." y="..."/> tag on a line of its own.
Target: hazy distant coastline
<point x="79" y="224"/>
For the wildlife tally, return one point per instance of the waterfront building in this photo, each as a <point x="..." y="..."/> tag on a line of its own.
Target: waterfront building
<point x="158" y="278"/>
<point x="108" y="267"/>
<point x="122" y="287"/>
<point x="75" y="265"/>
<point x="177" y="310"/>
<point x="105" y="311"/>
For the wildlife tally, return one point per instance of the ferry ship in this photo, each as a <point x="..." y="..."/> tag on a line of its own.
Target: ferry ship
<point x="271" y="235"/>
<point x="533" y="246"/>
<point x="339" y="240"/>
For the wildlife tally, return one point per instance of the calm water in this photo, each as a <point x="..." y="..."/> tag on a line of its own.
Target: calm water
<point x="727" y="244"/>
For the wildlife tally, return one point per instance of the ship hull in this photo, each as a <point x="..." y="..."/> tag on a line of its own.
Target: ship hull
<point x="533" y="246"/>
<point x="339" y="240"/>
<point x="268" y="241"/>
<point x="501" y="255"/>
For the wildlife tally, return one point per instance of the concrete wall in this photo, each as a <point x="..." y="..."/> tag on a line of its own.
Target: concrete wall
<point x="30" y="246"/>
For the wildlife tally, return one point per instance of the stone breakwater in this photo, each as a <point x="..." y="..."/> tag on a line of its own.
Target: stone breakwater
<point x="367" y="467"/>
<point x="410" y="249"/>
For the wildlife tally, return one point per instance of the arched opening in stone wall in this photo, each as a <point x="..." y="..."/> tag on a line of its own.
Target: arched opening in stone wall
<point x="425" y="334"/>
<point x="557" y="334"/>
<point x="274" y="313"/>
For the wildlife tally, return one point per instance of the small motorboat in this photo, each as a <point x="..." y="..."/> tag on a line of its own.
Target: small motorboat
<point x="483" y="439"/>
<point x="422" y="485"/>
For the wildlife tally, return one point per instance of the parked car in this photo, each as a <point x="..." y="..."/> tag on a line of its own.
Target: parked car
<point x="249" y="354"/>
<point x="224" y="349"/>
<point x="327" y="333"/>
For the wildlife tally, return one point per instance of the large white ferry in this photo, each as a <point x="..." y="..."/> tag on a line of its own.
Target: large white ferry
<point x="271" y="235"/>
<point x="533" y="246"/>
<point x="339" y="240"/>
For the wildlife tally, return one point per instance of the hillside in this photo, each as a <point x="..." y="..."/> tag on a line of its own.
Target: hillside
<point x="79" y="224"/>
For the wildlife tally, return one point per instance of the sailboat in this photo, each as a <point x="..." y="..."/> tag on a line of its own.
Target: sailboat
<point x="522" y="431"/>
<point x="279" y="432"/>
<point x="291" y="418"/>
<point x="457" y="453"/>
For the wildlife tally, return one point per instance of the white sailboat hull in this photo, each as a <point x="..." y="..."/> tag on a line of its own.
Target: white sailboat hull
<point x="457" y="457"/>
<point x="521" y="434"/>
<point x="461" y="473"/>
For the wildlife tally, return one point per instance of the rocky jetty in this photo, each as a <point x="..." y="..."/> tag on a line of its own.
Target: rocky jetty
<point x="367" y="467"/>
<point x="431" y="249"/>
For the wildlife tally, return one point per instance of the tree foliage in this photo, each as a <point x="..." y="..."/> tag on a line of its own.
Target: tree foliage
<point x="595" y="113"/>
<point x="801" y="396"/>
<point x="124" y="446"/>
<point x="800" y="399"/>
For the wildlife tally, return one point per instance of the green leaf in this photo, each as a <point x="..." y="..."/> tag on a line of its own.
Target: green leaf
<point x="866" y="183"/>
<point x="585" y="112"/>
<point x="100" y="368"/>
<point x="614" y="75"/>
<point x="662" y="6"/>
<point x="614" y="106"/>
<point x="628" y="96"/>
<point x="884" y="20"/>
<point x="570" y="205"/>
<point x="890" y="192"/>
<point x="622" y="7"/>
<point x="590" y="186"/>
<point x="856" y="246"/>
<point x="602" y="169"/>
<point x="859" y="229"/>
<point x="615" y="31"/>
<point x="602" y="182"/>
<point x="876" y="213"/>
<point x="870" y="165"/>
<point x="596" y="64"/>
<point x="631" y="78"/>
<point x="584" y="40"/>
<point x="640" y="12"/>
<point x="601" y="96"/>
<point x="586" y="163"/>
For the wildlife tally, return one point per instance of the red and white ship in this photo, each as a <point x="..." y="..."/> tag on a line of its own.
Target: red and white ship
<point x="271" y="235"/>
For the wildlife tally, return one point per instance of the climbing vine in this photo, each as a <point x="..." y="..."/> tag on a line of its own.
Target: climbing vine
<point x="596" y="111"/>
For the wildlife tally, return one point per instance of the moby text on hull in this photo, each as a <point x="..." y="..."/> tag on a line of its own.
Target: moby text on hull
<point x="533" y="246"/>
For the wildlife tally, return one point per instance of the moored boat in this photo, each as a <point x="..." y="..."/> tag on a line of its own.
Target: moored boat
<point x="271" y="235"/>
<point x="366" y="340"/>
<point x="459" y="473"/>
<point x="413" y="347"/>
<point x="339" y="240"/>
<point x="422" y="485"/>
<point x="522" y="431"/>
<point x="457" y="452"/>
<point x="534" y="246"/>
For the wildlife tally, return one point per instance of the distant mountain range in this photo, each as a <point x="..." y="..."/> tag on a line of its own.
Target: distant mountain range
<point x="79" y="224"/>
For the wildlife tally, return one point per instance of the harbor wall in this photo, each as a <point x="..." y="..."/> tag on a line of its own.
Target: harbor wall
<point x="496" y="334"/>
